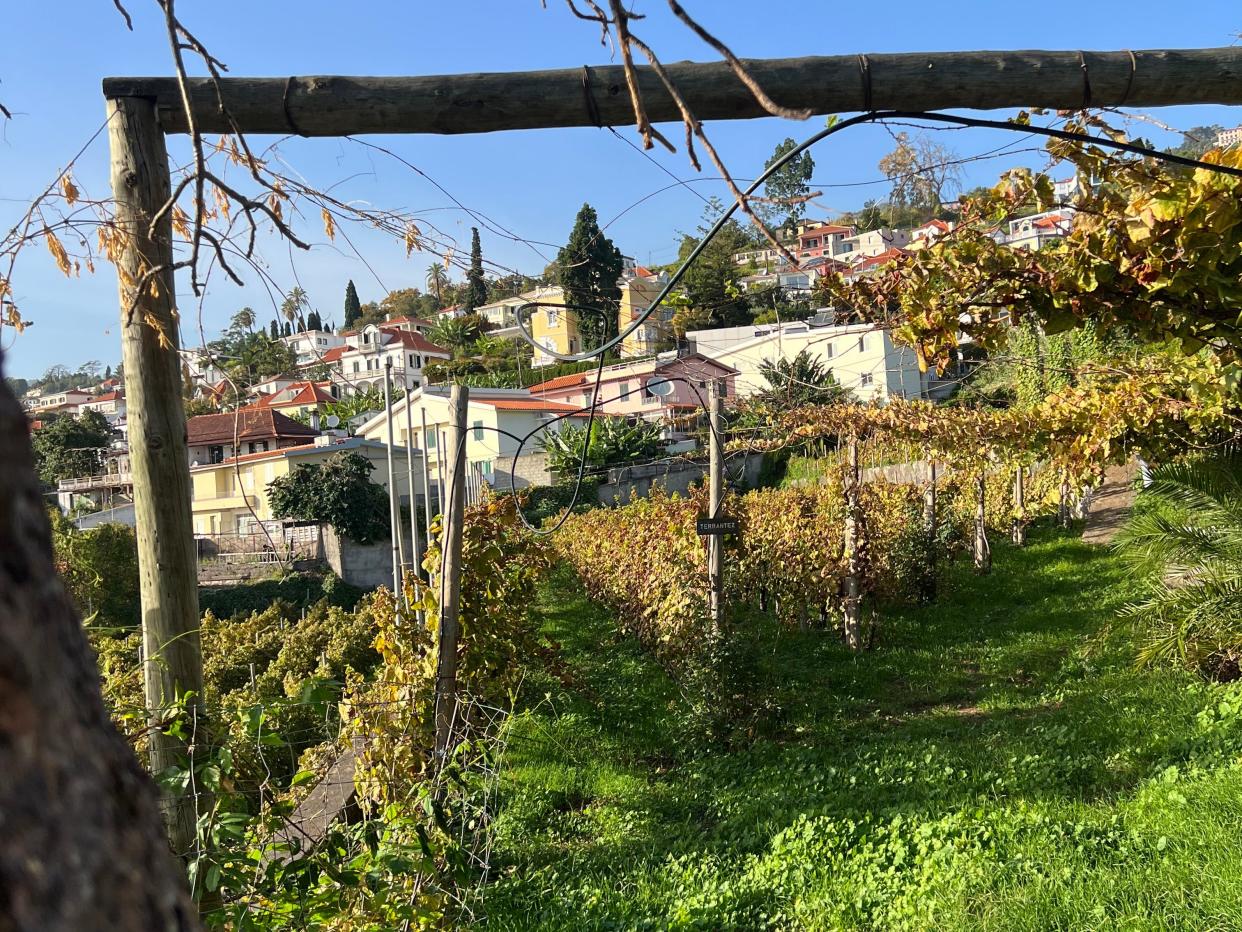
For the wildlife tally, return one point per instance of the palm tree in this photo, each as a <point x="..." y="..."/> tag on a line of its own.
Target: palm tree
<point x="242" y="320"/>
<point x="803" y="380"/>
<point x="1185" y="538"/>
<point x="437" y="280"/>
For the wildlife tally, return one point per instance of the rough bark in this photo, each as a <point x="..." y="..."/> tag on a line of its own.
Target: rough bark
<point x="81" y="840"/>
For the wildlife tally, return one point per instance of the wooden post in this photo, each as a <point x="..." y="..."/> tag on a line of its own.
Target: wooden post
<point x="450" y="578"/>
<point x="426" y="482"/>
<point x="394" y="513"/>
<point x="715" y="543"/>
<point x="1018" y="530"/>
<point x="440" y="468"/>
<point x="982" y="551"/>
<point x="415" y="550"/>
<point x="853" y="560"/>
<point x="339" y="105"/>
<point x="159" y="461"/>
<point x="929" y="500"/>
<point x="1063" y="509"/>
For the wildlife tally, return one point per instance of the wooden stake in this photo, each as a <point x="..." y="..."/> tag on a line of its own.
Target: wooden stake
<point x="982" y="551"/>
<point x="394" y="513"/>
<point x="426" y="483"/>
<point x="1063" y="509"/>
<point x="326" y="105"/>
<point x="440" y="467"/>
<point x="929" y="500"/>
<point x="853" y="559"/>
<point x="715" y="543"/>
<point x="159" y="461"/>
<point x="1018" y="531"/>
<point x="415" y="550"/>
<point x="450" y="579"/>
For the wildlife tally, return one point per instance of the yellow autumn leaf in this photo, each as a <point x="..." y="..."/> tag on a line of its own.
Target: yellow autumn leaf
<point x="68" y="189"/>
<point x="329" y="225"/>
<point x="57" y="249"/>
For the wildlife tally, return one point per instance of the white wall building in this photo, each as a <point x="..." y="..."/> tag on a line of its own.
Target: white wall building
<point x="862" y="357"/>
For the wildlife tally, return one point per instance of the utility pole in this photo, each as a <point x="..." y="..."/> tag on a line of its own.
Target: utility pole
<point x="853" y="560"/>
<point x="450" y="577"/>
<point x="394" y="513"/>
<point x="715" y="542"/>
<point x="167" y="566"/>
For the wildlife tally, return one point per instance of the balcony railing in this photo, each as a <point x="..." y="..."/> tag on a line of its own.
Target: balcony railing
<point x="110" y="480"/>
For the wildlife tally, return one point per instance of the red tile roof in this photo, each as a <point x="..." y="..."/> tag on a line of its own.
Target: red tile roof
<point x="295" y="395"/>
<point x="417" y="321"/>
<point x="526" y="404"/>
<point x="249" y="423"/>
<point x="872" y="262"/>
<point x="561" y="381"/>
<point x="415" y="341"/>
<point x="267" y="454"/>
<point x="108" y="396"/>
<point x="334" y="354"/>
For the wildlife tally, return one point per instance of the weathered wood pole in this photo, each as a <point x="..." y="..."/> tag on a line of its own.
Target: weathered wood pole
<point x="929" y="501"/>
<point x="426" y="482"/>
<point x="982" y="551"/>
<point x="83" y="843"/>
<point x="159" y="460"/>
<point x="394" y="512"/>
<point x="440" y="468"/>
<point x="415" y="550"/>
<point x="715" y="543"/>
<point x="1063" y="509"/>
<point x="345" y="105"/>
<point x="1018" y="528"/>
<point x="853" y="558"/>
<point x="450" y="578"/>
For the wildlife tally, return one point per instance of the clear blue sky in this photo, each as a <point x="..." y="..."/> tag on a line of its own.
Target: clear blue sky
<point x="529" y="182"/>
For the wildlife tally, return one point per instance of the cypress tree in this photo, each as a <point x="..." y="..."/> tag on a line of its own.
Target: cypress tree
<point x="476" y="285"/>
<point x="274" y="329"/>
<point x="588" y="270"/>
<point x="288" y="329"/>
<point x="353" y="307"/>
<point x="313" y="322"/>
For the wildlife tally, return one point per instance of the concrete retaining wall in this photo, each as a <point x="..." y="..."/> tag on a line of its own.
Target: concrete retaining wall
<point x="367" y="566"/>
<point x="627" y="483"/>
<point x="531" y="470"/>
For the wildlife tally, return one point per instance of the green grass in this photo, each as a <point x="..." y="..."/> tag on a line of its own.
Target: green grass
<point x="995" y="763"/>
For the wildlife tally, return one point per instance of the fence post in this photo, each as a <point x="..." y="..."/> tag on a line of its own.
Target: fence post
<point x="853" y="560"/>
<point x="450" y="577"/>
<point x="1018" y="530"/>
<point x="394" y="515"/>
<point x="1063" y="509"/>
<point x="982" y="551"/>
<point x="715" y="543"/>
<point x="415" y="550"/>
<point x="167" y="568"/>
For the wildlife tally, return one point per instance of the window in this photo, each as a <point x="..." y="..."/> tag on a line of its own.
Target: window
<point x="866" y="379"/>
<point x="413" y="365"/>
<point x="554" y="317"/>
<point x="486" y="466"/>
<point x="573" y="345"/>
<point x="827" y="350"/>
<point x="862" y="343"/>
<point x="431" y="439"/>
<point x="418" y="361"/>
<point x="478" y="430"/>
<point x="623" y="389"/>
<point x="356" y="366"/>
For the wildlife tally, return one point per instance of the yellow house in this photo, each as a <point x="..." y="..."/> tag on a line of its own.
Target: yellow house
<point x="638" y="292"/>
<point x="495" y="416"/>
<point x="231" y="497"/>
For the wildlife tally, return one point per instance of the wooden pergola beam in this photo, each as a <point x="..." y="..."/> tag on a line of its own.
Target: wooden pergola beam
<point x="492" y="102"/>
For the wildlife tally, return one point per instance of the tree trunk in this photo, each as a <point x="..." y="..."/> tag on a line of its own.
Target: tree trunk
<point x="82" y="845"/>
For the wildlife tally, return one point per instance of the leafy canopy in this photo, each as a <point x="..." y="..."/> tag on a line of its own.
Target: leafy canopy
<point x="588" y="271"/>
<point x="339" y="493"/>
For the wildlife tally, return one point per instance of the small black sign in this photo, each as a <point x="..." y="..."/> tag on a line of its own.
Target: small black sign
<point x="716" y="527"/>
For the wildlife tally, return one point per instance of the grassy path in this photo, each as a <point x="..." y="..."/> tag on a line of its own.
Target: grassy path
<point x="980" y="770"/>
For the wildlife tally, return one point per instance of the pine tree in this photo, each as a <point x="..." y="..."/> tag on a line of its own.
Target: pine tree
<point x="274" y="329"/>
<point x="476" y="285"/>
<point x="588" y="270"/>
<point x="353" y="307"/>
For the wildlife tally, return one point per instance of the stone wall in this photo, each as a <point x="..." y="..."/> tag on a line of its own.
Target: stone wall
<point x="531" y="470"/>
<point x="367" y="566"/>
<point x="624" y="484"/>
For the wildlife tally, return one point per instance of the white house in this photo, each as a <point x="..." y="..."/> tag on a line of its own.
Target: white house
<point x="873" y="243"/>
<point x="491" y="410"/>
<point x="1038" y="230"/>
<point x="309" y="346"/>
<point x="862" y="357"/>
<point x="360" y="364"/>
